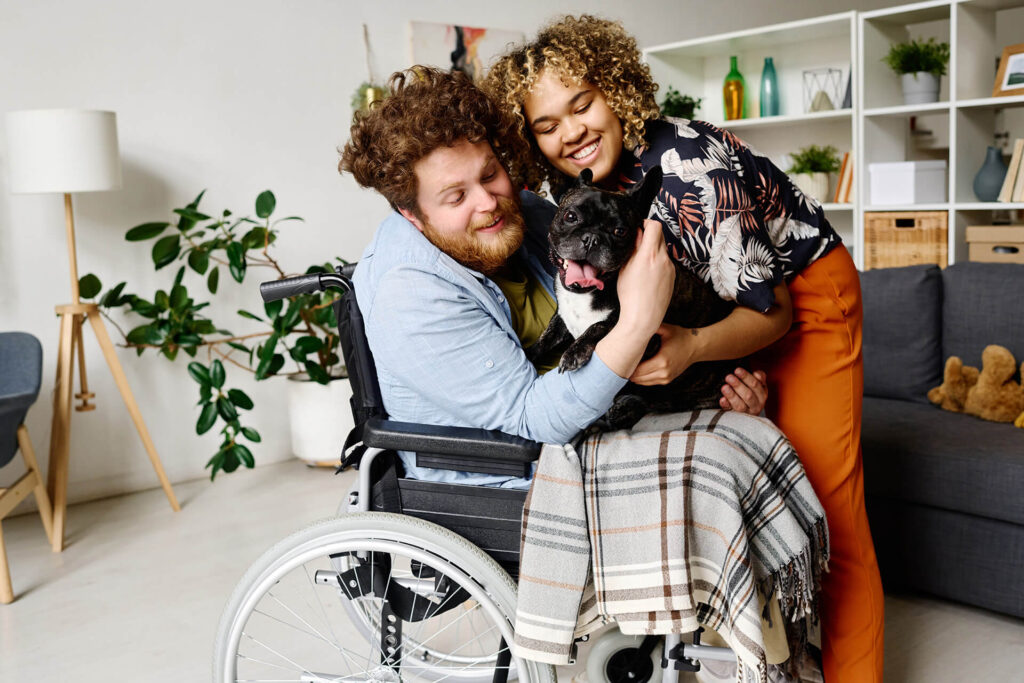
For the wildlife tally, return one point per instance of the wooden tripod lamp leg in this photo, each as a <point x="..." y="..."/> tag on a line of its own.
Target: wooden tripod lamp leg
<point x="129" y="400"/>
<point x="84" y="395"/>
<point x="60" y="430"/>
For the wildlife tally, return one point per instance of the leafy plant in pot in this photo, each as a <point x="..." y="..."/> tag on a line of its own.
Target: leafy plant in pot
<point x="679" y="106"/>
<point x="172" y="320"/>
<point x="921" y="64"/>
<point x="810" y="168"/>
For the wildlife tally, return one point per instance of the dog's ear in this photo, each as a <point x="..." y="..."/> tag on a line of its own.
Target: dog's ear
<point x="585" y="178"/>
<point x="644" y="192"/>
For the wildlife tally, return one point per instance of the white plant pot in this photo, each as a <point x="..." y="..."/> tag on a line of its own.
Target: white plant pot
<point x="813" y="185"/>
<point x="920" y="88"/>
<point x="320" y="418"/>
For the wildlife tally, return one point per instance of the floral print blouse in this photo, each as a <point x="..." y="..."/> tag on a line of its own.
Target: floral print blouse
<point x="730" y="214"/>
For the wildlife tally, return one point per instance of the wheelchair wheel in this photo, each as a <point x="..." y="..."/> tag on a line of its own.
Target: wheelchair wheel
<point x="371" y="597"/>
<point x="616" y="658"/>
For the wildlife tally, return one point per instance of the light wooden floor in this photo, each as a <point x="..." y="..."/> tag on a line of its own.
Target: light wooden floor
<point x="139" y="590"/>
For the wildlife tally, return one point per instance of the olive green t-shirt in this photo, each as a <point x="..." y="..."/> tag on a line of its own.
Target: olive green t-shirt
<point x="531" y="307"/>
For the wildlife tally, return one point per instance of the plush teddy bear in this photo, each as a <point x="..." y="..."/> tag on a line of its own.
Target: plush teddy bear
<point x="956" y="380"/>
<point x="996" y="396"/>
<point x="990" y="394"/>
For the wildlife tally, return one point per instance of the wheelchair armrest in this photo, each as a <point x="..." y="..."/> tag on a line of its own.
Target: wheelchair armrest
<point x="454" y="448"/>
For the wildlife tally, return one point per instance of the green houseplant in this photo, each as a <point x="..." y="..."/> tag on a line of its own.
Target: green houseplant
<point x="810" y="168"/>
<point x="680" y="106"/>
<point x="171" y="321"/>
<point x="921" y="64"/>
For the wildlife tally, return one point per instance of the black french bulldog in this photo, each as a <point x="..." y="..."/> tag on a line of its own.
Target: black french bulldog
<point x="592" y="236"/>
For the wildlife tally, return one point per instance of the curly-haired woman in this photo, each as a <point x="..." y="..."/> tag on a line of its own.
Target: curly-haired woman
<point x="579" y="96"/>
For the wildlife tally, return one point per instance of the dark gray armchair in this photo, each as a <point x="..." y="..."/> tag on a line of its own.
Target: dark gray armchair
<point x="21" y="367"/>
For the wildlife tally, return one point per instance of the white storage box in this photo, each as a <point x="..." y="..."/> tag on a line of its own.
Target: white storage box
<point x="908" y="182"/>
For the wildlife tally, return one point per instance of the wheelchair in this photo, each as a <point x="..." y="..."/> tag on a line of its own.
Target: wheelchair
<point x="414" y="580"/>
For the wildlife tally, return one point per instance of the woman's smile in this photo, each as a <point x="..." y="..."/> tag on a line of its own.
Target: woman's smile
<point x="584" y="154"/>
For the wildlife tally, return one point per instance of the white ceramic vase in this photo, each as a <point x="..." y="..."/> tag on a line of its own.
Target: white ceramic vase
<point x="920" y="88"/>
<point x="320" y="418"/>
<point x="813" y="185"/>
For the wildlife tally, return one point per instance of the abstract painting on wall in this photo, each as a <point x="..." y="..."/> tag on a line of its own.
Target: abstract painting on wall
<point x="465" y="48"/>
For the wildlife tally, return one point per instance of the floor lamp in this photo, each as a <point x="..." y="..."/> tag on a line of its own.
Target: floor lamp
<point x="66" y="151"/>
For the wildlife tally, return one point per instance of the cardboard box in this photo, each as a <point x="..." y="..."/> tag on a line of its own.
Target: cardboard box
<point x="995" y="243"/>
<point x="908" y="182"/>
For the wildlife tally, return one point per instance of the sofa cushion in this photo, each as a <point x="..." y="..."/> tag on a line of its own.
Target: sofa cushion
<point x="982" y="306"/>
<point x="902" y="331"/>
<point x="925" y="455"/>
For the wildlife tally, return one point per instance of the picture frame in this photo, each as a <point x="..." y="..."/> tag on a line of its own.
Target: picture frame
<point x="1010" y="75"/>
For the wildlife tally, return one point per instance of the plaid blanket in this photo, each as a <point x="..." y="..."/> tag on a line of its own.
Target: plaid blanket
<point x="692" y="519"/>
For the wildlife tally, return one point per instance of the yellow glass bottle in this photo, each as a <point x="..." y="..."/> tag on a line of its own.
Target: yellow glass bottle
<point x="733" y="92"/>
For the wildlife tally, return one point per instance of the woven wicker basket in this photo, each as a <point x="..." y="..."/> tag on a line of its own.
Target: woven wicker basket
<point x="905" y="238"/>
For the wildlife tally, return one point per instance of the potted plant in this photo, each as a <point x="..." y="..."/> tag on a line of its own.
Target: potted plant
<point x="366" y="95"/>
<point x="810" y="168"/>
<point x="299" y="337"/>
<point x="920" y="64"/>
<point x="679" y="106"/>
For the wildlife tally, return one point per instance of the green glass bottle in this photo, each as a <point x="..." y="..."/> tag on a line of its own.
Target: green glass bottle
<point x="733" y="92"/>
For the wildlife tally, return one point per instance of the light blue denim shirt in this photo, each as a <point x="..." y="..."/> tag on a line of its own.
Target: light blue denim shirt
<point x="446" y="354"/>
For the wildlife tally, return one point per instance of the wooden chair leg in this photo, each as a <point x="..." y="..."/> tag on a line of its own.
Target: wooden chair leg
<point x="42" y="499"/>
<point x="6" y="590"/>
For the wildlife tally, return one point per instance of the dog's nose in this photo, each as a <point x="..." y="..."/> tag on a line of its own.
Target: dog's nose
<point x="588" y="240"/>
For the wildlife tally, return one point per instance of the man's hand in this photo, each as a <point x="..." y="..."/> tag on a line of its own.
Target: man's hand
<point x="745" y="392"/>
<point x="644" y="288"/>
<point x="645" y="283"/>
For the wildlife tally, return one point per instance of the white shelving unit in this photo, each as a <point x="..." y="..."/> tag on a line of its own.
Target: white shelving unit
<point x="878" y="126"/>
<point x="966" y="117"/>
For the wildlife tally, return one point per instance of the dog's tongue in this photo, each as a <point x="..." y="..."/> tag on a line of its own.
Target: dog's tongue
<point x="583" y="274"/>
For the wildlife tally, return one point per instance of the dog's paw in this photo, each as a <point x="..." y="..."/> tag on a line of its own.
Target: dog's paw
<point x="532" y="354"/>
<point x="575" y="357"/>
<point x="626" y="411"/>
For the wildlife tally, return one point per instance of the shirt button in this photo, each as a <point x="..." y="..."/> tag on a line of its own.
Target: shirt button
<point x="489" y="364"/>
<point x="501" y="299"/>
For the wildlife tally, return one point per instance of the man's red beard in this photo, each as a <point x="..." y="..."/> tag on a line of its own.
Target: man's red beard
<point x="484" y="254"/>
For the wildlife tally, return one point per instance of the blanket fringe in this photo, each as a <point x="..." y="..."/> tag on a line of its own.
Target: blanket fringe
<point x="797" y="583"/>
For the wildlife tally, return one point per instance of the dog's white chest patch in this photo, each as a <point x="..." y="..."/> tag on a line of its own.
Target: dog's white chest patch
<point x="576" y="309"/>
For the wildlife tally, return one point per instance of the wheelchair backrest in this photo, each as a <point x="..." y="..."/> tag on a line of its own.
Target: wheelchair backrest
<point x="366" y="400"/>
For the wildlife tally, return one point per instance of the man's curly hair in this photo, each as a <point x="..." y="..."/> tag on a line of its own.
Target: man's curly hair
<point x="426" y="109"/>
<point x="580" y="49"/>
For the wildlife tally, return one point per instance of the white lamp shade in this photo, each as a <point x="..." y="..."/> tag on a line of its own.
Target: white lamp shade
<point x="63" y="150"/>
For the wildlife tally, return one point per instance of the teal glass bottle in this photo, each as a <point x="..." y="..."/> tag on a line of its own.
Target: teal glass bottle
<point x="769" y="89"/>
<point x="733" y="92"/>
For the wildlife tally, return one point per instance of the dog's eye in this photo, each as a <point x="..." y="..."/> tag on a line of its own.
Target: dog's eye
<point x="619" y="232"/>
<point x="570" y="216"/>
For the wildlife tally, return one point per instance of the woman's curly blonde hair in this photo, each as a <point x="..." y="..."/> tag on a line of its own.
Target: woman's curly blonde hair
<point x="581" y="49"/>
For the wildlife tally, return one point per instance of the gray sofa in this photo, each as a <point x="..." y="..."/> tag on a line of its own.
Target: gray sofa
<point x="945" y="492"/>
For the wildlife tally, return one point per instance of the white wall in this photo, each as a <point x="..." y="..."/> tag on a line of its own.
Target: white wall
<point x="234" y="97"/>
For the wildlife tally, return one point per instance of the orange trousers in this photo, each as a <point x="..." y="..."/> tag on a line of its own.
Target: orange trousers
<point x="816" y="386"/>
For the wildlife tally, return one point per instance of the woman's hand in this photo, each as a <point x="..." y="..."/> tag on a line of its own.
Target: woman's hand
<point x="674" y="356"/>
<point x="745" y="392"/>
